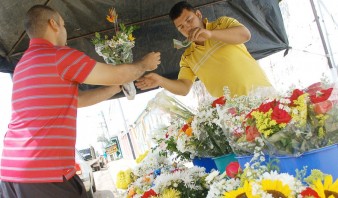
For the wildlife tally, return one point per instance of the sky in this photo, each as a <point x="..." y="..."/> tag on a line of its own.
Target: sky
<point x="305" y="64"/>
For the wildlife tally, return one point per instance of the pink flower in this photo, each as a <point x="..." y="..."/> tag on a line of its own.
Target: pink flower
<point x="233" y="169"/>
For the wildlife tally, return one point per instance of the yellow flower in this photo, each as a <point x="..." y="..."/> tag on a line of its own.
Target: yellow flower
<point x="112" y="16"/>
<point x="242" y="192"/>
<point x="328" y="189"/>
<point x="123" y="179"/>
<point x="276" y="188"/>
<point x="170" y="193"/>
<point x="141" y="157"/>
<point x="130" y="37"/>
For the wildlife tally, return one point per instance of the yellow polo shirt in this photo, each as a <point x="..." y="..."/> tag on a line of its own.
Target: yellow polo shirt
<point x="218" y="64"/>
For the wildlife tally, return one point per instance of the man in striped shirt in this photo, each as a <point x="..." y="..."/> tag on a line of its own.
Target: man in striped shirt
<point x="39" y="147"/>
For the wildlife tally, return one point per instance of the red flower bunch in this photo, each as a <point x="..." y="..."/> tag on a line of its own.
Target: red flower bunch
<point x="149" y="193"/>
<point x="309" y="193"/>
<point x="219" y="101"/>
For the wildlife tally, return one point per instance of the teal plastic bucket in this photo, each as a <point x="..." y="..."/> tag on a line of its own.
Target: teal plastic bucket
<point x="223" y="161"/>
<point x="324" y="159"/>
<point x="206" y="162"/>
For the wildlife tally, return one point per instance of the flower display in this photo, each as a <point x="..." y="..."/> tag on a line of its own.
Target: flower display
<point x="118" y="48"/>
<point x="231" y="117"/>
<point x="283" y="125"/>
<point x="260" y="182"/>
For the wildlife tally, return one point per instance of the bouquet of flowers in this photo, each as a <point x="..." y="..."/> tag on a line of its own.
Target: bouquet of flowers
<point x="258" y="182"/>
<point x="232" y="117"/>
<point x="297" y="123"/>
<point x="209" y="139"/>
<point x="118" y="49"/>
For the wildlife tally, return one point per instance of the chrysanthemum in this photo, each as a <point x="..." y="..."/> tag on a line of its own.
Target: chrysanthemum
<point x="242" y="192"/>
<point x="170" y="193"/>
<point x="276" y="188"/>
<point x="328" y="188"/>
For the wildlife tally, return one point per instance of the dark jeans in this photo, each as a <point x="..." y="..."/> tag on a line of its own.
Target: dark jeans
<point x="73" y="188"/>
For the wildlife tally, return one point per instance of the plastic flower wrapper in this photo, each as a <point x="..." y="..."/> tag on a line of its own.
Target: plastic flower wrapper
<point x="231" y="119"/>
<point x="291" y="125"/>
<point x="171" y="105"/>
<point x="209" y="139"/>
<point x="118" y="49"/>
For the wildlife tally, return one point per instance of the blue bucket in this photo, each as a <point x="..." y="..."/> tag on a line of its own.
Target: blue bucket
<point x="223" y="161"/>
<point x="324" y="159"/>
<point x="206" y="162"/>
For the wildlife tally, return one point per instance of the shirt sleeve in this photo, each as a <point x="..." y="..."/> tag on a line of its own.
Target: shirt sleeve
<point x="73" y="65"/>
<point x="186" y="72"/>
<point x="225" y="22"/>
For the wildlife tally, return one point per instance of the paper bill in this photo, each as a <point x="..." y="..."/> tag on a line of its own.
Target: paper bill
<point x="181" y="44"/>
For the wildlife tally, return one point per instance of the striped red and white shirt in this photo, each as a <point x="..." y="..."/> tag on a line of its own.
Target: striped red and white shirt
<point x="39" y="145"/>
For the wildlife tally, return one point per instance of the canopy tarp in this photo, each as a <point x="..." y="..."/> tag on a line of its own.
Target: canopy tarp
<point x="85" y="17"/>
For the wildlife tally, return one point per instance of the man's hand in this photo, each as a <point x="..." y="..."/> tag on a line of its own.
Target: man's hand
<point x="149" y="81"/>
<point x="150" y="61"/>
<point x="199" y="34"/>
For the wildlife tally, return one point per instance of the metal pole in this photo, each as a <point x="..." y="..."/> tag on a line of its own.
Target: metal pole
<point x="126" y="128"/>
<point x="327" y="53"/>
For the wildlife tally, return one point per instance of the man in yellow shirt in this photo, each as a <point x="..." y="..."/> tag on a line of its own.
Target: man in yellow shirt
<point x="217" y="56"/>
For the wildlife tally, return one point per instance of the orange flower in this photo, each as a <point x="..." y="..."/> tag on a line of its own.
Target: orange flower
<point x="188" y="131"/>
<point x="112" y="15"/>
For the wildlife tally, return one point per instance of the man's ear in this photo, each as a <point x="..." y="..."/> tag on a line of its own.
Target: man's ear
<point x="199" y="14"/>
<point x="53" y="24"/>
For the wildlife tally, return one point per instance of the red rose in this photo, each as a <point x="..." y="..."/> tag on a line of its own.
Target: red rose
<point x="251" y="133"/>
<point x="309" y="192"/>
<point x="265" y="107"/>
<point x="321" y="95"/>
<point x="185" y="127"/>
<point x="295" y="94"/>
<point x="280" y="115"/>
<point x="149" y="193"/>
<point x="233" y="169"/>
<point x="219" y="101"/>
<point x="322" y="107"/>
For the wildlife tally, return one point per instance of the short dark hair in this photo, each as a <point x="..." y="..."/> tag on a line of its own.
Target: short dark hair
<point x="178" y="8"/>
<point x="37" y="18"/>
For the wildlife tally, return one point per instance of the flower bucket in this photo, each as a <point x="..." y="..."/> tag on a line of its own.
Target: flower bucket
<point x="324" y="159"/>
<point x="223" y="161"/>
<point x="206" y="162"/>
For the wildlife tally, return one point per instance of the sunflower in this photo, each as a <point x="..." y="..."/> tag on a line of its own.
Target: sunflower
<point x="170" y="193"/>
<point x="243" y="192"/>
<point x="276" y="188"/>
<point x="328" y="189"/>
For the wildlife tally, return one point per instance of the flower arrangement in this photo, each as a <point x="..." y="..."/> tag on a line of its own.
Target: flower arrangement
<point x="284" y="125"/>
<point x="209" y="139"/>
<point x="231" y="117"/>
<point x="296" y="123"/>
<point x="118" y="48"/>
<point x="261" y="182"/>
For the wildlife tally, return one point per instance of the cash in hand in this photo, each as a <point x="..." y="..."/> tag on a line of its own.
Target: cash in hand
<point x="181" y="44"/>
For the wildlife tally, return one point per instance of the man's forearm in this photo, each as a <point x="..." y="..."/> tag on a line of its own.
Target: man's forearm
<point x="94" y="96"/>
<point x="234" y="35"/>
<point x="178" y="87"/>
